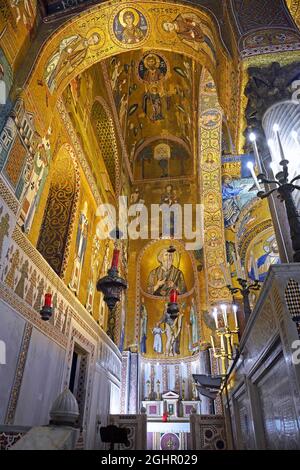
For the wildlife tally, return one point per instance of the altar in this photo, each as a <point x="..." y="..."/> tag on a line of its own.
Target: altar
<point x="173" y="405"/>
<point x="174" y="433"/>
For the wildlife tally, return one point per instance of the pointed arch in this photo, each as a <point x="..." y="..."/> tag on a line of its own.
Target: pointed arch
<point x="104" y="127"/>
<point x="61" y="207"/>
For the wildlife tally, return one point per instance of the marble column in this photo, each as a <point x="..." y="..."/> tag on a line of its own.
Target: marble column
<point x="204" y="368"/>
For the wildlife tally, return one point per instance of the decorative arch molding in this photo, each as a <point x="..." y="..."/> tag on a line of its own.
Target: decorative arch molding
<point x="98" y="21"/>
<point x="209" y="170"/>
<point x="60" y="211"/>
<point x="107" y="141"/>
<point x="195" y="289"/>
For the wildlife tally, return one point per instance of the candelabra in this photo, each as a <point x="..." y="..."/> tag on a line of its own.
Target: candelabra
<point x="226" y="335"/>
<point x="284" y="188"/>
<point x="285" y="191"/>
<point x="245" y="286"/>
<point x="245" y="290"/>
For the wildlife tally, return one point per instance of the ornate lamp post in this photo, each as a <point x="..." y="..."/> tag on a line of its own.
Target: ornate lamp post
<point x="112" y="286"/>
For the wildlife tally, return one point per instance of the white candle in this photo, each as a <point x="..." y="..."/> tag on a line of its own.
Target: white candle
<point x="281" y="151"/>
<point x="244" y="277"/>
<point x="255" y="149"/>
<point x="251" y="168"/>
<point x="223" y="343"/>
<point x="235" y="309"/>
<point x="213" y="344"/>
<point x="215" y="315"/>
<point x="224" y="313"/>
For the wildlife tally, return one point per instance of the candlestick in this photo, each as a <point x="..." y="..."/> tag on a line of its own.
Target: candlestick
<point x="255" y="150"/>
<point x="173" y="296"/>
<point x="222" y="343"/>
<point x="115" y="259"/>
<point x="215" y="314"/>
<point x="48" y="300"/>
<point x="224" y="313"/>
<point x="235" y="309"/>
<point x="213" y="344"/>
<point x="281" y="151"/>
<point x="47" y="310"/>
<point x="251" y="168"/>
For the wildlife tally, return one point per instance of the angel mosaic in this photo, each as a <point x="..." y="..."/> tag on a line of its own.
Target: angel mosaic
<point x="70" y="53"/>
<point x="130" y="26"/>
<point x="189" y="30"/>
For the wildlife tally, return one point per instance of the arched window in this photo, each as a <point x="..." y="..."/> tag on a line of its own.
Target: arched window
<point x="56" y="228"/>
<point x="103" y="125"/>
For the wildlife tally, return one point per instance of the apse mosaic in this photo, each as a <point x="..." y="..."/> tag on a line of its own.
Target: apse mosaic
<point x="160" y="272"/>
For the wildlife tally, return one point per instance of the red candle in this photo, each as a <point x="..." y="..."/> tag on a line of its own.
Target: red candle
<point x="115" y="260"/>
<point x="48" y="300"/>
<point x="173" y="296"/>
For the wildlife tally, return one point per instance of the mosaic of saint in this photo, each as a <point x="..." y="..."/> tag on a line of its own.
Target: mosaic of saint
<point x="266" y="253"/>
<point x="166" y="276"/>
<point x="161" y="334"/>
<point x="152" y="68"/>
<point x="190" y="30"/>
<point x="130" y="26"/>
<point x="70" y="53"/>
